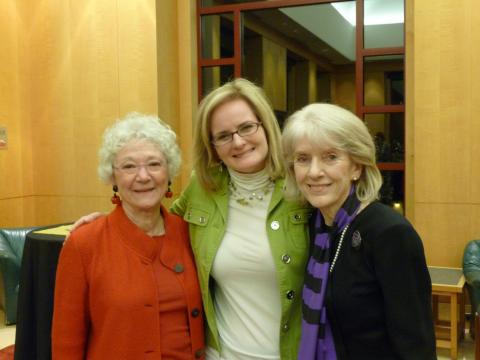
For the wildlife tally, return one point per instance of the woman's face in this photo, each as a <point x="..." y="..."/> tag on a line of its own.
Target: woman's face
<point x="247" y="154"/>
<point x="324" y="176"/>
<point x="141" y="174"/>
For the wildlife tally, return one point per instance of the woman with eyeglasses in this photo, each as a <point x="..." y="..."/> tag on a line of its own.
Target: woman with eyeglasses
<point x="250" y="245"/>
<point x="126" y="284"/>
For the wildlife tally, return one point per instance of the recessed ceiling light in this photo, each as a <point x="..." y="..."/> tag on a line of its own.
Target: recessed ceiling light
<point x="376" y="12"/>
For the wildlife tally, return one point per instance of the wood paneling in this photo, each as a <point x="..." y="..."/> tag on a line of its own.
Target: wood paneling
<point x="74" y="68"/>
<point x="444" y="125"/>
<point x="16" y="183"/>
<point x="187" y="85"/>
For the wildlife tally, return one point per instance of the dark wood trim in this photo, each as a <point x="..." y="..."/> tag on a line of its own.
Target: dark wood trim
<point x="237" y="43"/>
<point x="216" y="62"/>
<point x="391" y="166"/>
<point x="359" y="60"/>
<point x="384" y="51"/>
<point x="199" y="52"/>
<point x="379" y="109"/>
<point x="259" y="5"/>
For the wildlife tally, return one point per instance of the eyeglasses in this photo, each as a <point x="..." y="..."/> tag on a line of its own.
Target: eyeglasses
<point x="246" y="129"/>
<point x="132" y="168"/>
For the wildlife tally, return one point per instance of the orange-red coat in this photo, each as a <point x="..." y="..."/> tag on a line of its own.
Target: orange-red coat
<point x="106" y="302"/>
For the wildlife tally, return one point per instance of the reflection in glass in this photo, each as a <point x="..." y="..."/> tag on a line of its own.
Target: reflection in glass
<point x="215" y="76"/>
<point x="217" y="36"/>
<point x="294" y="54"/>
<point x="388" y="131"/>
<point x="392" y="190"/>
<point x="383" y="23"/>
<point x="383" y="80"/>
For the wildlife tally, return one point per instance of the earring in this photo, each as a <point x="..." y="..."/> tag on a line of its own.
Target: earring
<point x="115" y="199"/>
<point x="169" y="192"/>
<point x="354" y="178"/>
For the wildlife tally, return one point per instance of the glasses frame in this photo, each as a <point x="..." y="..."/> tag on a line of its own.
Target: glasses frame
<point x="257" y="126"/>
<point x="135" y="170"/>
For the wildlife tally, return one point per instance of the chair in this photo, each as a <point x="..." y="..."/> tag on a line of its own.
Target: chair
<point x="471" y="270"/>
<point x="12" y="241"/>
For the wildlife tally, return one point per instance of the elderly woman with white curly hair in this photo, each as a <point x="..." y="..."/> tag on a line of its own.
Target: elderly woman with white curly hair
<point x="133" y="292"/>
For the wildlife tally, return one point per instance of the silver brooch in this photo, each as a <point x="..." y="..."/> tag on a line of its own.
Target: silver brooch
<point x="356" y="239"/>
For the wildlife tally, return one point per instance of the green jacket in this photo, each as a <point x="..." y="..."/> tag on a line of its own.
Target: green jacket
<point x="287" y="229"/>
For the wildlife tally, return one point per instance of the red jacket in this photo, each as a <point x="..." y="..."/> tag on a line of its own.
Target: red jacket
<point x="106" y="302"/>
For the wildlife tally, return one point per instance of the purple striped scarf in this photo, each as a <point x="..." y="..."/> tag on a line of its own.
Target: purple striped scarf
<point x="317" y="340"/>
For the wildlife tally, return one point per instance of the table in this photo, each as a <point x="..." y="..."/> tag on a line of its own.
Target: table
<point x="35" y="298"/>
<point x="449" y="282"/>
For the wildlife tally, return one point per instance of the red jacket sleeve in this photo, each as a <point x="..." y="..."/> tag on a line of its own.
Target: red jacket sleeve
<point x="70" y="316"/>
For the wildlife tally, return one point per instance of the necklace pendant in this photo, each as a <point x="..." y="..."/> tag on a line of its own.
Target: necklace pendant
<point x="260" y="197"/>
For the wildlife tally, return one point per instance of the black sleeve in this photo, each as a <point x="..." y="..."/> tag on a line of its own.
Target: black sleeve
<point x="400" y="266"/>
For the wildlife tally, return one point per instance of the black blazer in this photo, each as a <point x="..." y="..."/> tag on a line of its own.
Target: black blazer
<point x="379" y="294"/>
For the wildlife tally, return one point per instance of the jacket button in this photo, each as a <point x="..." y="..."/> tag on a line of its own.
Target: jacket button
<point x="291" y="295"/>
<point x="202" y="220"/>
<point x="275" y="225"/>
<point x="178" y="268"/>
<point x="198" y="353"/>
<point x="285" y="327"/>
<point x="195" y="312"/>
<point x="286" y="258"/>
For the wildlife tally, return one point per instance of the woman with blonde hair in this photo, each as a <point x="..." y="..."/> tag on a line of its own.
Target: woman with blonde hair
<point x="367" y="291"/>
<point x="250" y="244"/>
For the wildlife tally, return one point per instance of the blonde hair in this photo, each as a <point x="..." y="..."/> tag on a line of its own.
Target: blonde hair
<point x="339" y="128"/>
<point x="142" y="127"/>
<point x="205" y="158"/>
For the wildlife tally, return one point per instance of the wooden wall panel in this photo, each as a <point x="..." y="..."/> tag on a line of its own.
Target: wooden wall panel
<point x="92" y="62"/>
<point x="445" y="126"/>
<point x="187" y="83"/>
<point x="15" y="162"/>
<point x="137" y="56"/>
<point x="474" y="131"/>
<point x="443" y="229"/>
<point x="344" y="90"/>
<point x="95" y="62"/>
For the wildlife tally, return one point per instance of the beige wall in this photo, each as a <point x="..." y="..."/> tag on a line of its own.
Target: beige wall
<point x="67" y="70"/>
<point x="443" y="129"/>
<point x="16" y="184"/>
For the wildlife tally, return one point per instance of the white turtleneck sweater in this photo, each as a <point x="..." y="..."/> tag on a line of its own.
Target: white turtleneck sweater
<point x="246" y="292"/>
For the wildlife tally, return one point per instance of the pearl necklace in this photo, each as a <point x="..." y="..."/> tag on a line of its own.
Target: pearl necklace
<point x="339" y="247"/>
<point x="244" y="198"/>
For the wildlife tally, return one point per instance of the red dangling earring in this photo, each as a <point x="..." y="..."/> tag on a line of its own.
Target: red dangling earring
<point x="169" y="192"/>
<point x="115" y="199"/>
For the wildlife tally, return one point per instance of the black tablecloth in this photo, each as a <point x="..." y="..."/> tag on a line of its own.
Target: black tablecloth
<point x="35" y="298"/>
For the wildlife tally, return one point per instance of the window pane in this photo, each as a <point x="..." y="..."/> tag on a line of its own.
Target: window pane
<point x="215" y="76"/>
<point x="295" y="54"/>
<point x="217" y="36"/>
<point x="388" y="131"/>
<point x="383" y="80"/>
<point x="383" y="23"/>
<point x="392" y="190"/>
